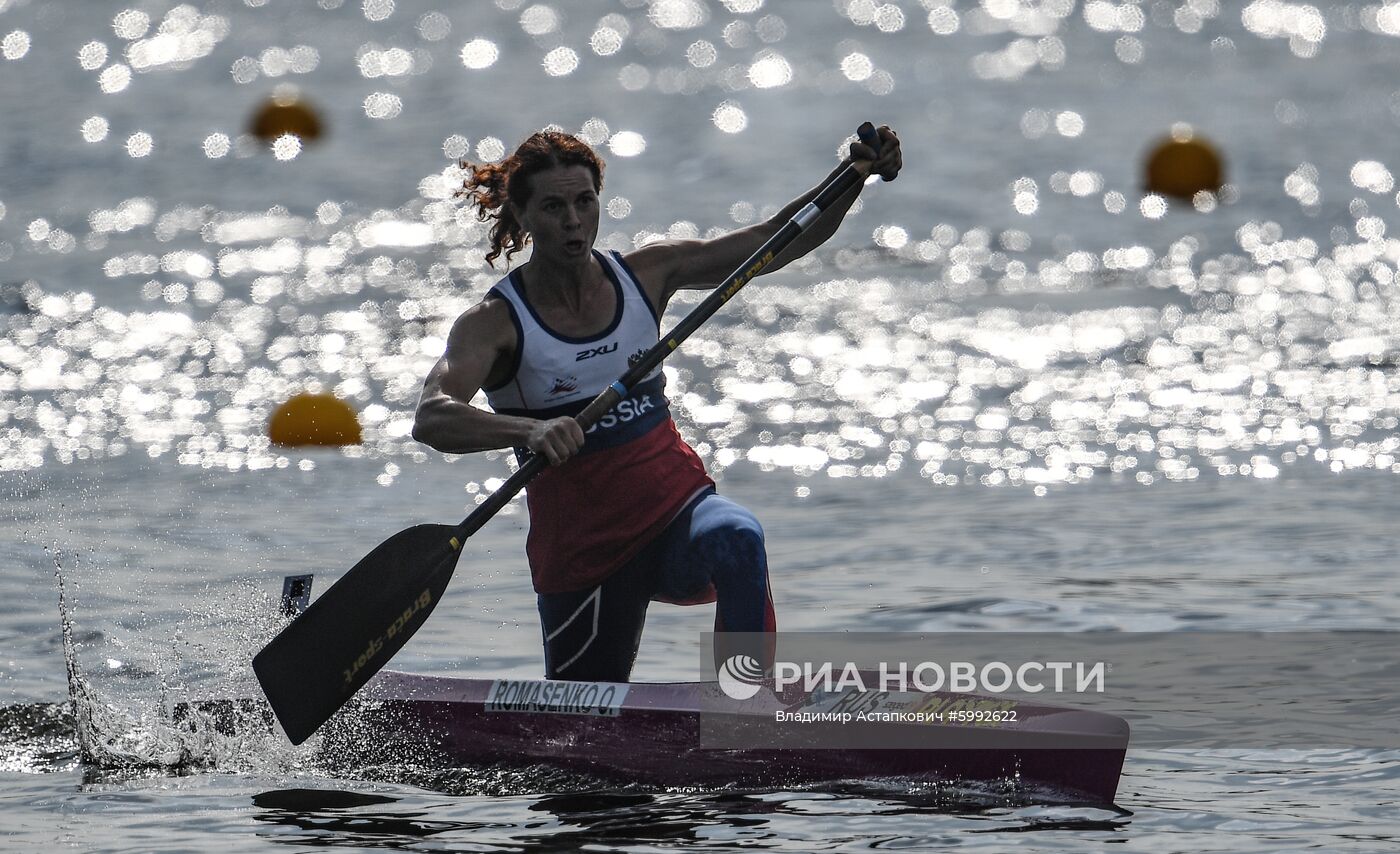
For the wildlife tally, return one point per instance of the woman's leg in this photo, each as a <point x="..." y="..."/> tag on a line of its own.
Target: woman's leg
<point x="713" y="545"/>
<point x="717" y="542"/>
<point x="592" y="635"/>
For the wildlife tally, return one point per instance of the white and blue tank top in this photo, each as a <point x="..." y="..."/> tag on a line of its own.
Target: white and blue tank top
<point x="553" y="374"/>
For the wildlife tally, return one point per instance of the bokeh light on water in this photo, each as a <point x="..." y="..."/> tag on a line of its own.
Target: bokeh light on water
<point x="1016" y="310"/>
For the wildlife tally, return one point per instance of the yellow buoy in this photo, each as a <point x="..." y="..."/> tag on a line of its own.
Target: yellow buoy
<point x="286" y="112"/>
<point x="314" y="419"/>
<point x="1183" y="165"/>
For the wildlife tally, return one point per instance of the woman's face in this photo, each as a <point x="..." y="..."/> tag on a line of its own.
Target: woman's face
<point x="562" y="213"/>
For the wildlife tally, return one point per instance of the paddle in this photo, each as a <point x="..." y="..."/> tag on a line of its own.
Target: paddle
<point x="324" y="656"/>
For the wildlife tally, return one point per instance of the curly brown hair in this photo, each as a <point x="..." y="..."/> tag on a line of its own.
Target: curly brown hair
<point x="491" y="186"/>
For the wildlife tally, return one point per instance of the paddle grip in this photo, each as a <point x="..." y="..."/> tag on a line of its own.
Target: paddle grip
<point x="867" y="134"/>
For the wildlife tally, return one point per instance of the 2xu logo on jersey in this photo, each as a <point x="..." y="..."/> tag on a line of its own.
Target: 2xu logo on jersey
<point x="595" y="351"/>
<point x="633" y="359"/>
<point x="626" y="410"/>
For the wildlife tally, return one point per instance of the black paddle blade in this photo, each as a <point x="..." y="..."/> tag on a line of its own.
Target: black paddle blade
<point x="329" y="652"/>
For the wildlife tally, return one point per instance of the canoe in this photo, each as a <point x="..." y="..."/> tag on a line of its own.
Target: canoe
<point x="687" y="734"/>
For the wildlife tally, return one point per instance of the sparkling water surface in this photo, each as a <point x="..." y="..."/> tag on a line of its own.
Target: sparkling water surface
<point x="1015" y="393"/>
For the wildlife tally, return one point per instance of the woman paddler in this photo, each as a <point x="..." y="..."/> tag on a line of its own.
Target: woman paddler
<point x="626" y="513"/>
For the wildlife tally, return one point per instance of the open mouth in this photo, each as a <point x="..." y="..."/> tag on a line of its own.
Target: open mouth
<point x="574" y="245"/>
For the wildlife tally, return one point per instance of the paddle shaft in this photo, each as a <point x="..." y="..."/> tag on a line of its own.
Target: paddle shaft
<point x="761" y="259"/>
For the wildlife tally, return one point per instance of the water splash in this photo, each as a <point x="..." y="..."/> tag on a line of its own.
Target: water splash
<point x="108" y="736"/>
<point x="161" y="734"/>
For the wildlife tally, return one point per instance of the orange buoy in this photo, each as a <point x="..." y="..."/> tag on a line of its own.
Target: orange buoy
<point x="285" y="112"/>
<point x="1183" y="165"/>
<point x="314" y="419"/>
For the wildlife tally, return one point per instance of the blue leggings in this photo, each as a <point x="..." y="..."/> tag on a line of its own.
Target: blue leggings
<point x="712" y="551"/>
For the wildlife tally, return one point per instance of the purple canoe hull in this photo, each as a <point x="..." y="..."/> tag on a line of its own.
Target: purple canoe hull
<point x="688" y="734"/>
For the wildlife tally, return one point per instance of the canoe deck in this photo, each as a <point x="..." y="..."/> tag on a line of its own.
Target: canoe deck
<point x="664" y="734"/>
<point x="688" y="734"/>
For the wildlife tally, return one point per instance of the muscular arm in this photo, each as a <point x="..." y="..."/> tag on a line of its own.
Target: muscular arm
<point x="671" y="265"/>
<point x="479" y="351"/>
